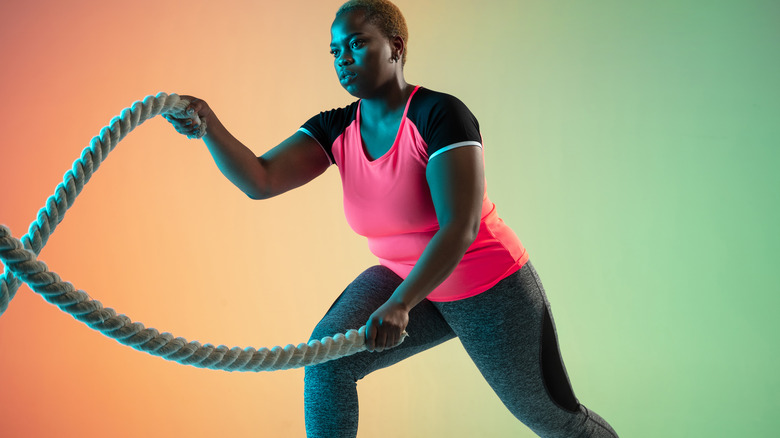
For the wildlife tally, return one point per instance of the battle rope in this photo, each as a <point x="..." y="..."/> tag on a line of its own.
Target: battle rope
<point x="20" y="260"/>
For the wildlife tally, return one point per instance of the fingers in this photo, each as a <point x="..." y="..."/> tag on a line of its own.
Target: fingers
<point x="392" y="339"/>
<point x="195" y="105"/>
<point x="381" y="341"/>
<point x="197" y="109"/>
<point x="386" y="326"/>
<point x="380" y="337"/>
<point x="186" y="127"/>
<point x="192" y="122"/>
<point x="375" y="336"/>
<point x="370" y="335"/>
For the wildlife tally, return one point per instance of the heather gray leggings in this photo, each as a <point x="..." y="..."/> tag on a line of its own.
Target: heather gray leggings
<point x="508" y="332"/>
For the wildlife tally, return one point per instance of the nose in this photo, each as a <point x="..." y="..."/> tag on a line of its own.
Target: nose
<point x="344" y="60"/>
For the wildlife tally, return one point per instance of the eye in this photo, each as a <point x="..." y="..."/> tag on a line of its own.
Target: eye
<point x="334" y="52"/>
<point x="357" y="44"/>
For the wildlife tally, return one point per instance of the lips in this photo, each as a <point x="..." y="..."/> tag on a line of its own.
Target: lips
<point x="346" y="74"/>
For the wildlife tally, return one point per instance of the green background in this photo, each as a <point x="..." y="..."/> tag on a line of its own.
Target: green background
<point x="640" y="146"/>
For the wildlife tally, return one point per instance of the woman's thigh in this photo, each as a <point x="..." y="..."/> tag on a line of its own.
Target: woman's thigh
<point x="351" y="310"/>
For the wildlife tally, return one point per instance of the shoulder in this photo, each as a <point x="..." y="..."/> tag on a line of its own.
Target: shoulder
<point x="426" y="102"/>
<point x="328" y="125"/>
<point x="443" y="121"/>
<point x="343" y="115"/>
<point x="432" y="109"/>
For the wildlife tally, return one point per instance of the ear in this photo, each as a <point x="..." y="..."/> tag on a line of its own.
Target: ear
<point x="398" y="45"/>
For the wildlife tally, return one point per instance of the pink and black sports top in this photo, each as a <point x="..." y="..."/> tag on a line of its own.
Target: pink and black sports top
<point x="388" y="200"/>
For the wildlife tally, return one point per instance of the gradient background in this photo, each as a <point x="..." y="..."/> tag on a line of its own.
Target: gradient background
<point x="632" y="146"/>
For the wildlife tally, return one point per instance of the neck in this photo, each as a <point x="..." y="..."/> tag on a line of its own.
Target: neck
<point x="389" y="99"/>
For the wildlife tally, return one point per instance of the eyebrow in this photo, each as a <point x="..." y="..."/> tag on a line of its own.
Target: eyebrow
<point x="348" y="37"/>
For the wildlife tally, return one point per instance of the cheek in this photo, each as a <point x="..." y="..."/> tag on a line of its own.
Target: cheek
<point x="373" y="61"/>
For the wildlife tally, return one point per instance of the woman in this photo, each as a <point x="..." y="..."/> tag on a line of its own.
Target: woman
<point x="411" y="164"/>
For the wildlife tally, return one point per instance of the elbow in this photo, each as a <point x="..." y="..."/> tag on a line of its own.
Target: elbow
<point x="254" y="196"/>
<point x="257" y="185"/>
<point x="257" y="196"/>
<point x="465" y="233"/>
<point x="258" y="188"/>
<point x="472" y="230"/>
<point x="257" y="193"/>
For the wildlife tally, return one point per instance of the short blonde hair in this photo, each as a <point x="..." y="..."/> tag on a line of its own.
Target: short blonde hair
<point x="383" y="14"/>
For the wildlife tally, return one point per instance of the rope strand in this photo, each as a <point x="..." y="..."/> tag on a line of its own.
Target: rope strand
<point x="21" y="265"/>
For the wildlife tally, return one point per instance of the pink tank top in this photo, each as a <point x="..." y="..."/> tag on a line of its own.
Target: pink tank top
<point x="388" y="201"/>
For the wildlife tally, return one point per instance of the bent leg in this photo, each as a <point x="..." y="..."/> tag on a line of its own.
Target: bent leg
<point x="509" y="333"/>
<point x="330" y="388"/>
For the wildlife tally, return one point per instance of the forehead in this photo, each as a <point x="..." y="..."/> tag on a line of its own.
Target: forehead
<point x="350" y="23"/>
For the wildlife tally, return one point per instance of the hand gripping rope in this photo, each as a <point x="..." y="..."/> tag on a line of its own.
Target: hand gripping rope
<point x="19" y="258"/>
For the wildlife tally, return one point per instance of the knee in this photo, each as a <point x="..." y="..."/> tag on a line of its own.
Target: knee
<point x="327" y="376"/>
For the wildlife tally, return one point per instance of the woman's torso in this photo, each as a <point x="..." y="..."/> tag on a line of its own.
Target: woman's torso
<point x="387" y="199"/>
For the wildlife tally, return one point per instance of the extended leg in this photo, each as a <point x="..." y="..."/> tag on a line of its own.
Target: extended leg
<point x="509" y="333"/>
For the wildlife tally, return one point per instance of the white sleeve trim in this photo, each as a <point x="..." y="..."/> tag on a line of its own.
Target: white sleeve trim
<point x="455" y="145"/>
<point x="306" y="131"/>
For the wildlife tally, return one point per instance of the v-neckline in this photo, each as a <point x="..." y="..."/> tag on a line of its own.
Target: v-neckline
<point x="364" y="149"/>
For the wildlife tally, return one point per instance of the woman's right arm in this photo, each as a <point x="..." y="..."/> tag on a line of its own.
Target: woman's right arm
<point x="294" y="162"/>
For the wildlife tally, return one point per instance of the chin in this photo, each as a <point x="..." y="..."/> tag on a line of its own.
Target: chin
<point x="354" y="91"/>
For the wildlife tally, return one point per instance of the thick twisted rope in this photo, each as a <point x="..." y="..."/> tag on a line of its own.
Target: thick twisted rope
<point x="74" y="180"/>
<point x="20" y="260"/>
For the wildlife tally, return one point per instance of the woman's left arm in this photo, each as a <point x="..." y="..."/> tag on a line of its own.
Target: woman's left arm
<point x="457" y="184"/>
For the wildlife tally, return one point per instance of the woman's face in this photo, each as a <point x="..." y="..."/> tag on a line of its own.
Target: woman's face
<point x="362" y="55"/>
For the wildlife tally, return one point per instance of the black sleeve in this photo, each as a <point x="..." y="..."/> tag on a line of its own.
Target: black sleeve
<point x="327" y="126"/>
<point x="445" y="121"/>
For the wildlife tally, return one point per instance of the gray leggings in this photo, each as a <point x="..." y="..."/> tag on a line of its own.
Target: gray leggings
<point x="508" y="332"/>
